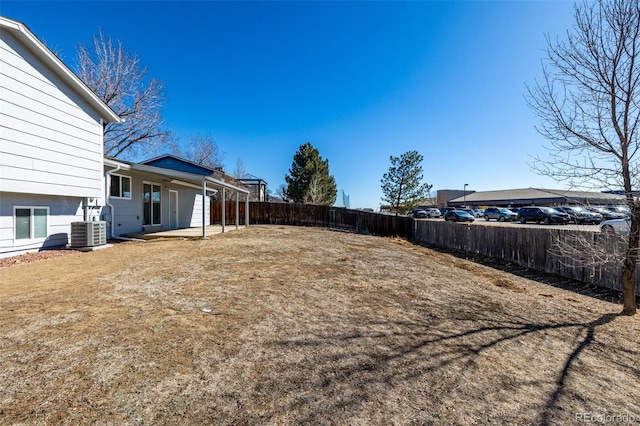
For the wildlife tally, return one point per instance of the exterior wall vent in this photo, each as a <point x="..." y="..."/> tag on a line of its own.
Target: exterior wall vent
<point x="88" y="234"/>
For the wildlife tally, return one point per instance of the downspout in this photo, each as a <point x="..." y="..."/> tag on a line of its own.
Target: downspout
<point x="85" y="208"/>
<point x="112" y="209"/>
<point x="107" y="196"/>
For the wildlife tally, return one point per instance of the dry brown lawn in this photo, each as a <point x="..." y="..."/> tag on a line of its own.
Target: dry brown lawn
<point x="307" y="326"/>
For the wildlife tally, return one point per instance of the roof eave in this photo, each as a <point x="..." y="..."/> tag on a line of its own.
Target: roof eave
<point x="185" y="176"/>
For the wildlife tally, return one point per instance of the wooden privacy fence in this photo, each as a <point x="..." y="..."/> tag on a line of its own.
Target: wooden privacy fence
<point x="560" y="251"/>
<point x="311" y="215"/>
<point x="568" y="253"/>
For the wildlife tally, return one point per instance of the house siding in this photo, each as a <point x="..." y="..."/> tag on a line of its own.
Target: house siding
<point x="62" y="211"/>
<point x="128" y="215"/>
<point x="50" y="139"/>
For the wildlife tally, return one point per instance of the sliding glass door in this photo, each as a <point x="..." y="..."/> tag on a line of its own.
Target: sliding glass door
<point x="151" y="195"/>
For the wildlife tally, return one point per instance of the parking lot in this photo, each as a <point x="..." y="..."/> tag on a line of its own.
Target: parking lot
<point x="479" y="221"/>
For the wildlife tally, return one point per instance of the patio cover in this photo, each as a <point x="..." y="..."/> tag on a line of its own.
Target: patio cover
<point x="205" y="183"/>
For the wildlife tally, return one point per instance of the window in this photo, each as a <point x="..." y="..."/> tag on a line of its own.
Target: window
<point x="151" y="195"/>
<point x="120" y="187"/>
<point x="31" y="222"/>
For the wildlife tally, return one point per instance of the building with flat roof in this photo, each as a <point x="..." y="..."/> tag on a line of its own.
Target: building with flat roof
<point x="527" y="197"/>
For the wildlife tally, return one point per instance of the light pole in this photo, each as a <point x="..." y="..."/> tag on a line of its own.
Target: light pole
<point x="465" y="195"/>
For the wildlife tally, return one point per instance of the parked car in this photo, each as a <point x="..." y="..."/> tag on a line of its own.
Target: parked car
<point x="514" y="209"/>
<point x="458" y="216"/>
<point x="444" y="210"/>
<point x="620" y="208"/>
<point x="478" y="212"/>
<point x="433" y="213"/>
<point x="607" y="214"/>
<point x="616" y="226"/>
<point x="544" y="215"/>
<point x="499" y="213"/>
<point x="420" y="214"/>
<point x="580" y="215"/>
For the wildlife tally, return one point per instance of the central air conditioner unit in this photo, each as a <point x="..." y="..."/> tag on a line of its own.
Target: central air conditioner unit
<point x="88" y="234"/>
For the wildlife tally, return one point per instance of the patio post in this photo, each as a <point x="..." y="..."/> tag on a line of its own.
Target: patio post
<point x="237" y="210"/>
<point x="246" y="209"/>
<point x="224" y="208"/>
<point x="204" y="197"/>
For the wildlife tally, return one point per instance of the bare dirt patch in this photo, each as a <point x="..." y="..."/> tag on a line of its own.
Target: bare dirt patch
<point x="284" y="325"/>
<point x="7" y="262"/>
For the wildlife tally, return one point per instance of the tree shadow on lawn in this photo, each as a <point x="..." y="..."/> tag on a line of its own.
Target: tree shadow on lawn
<point x="346" y="372"/>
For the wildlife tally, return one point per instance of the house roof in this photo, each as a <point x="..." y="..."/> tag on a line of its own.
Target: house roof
<point x="170" y="161"/>
<point x="21" y="32"/>
<point x="190" y="178"/>
<point x="530" y="195"/>
<point x="252" y="180"/>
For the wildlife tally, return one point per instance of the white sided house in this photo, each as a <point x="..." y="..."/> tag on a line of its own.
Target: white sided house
<point x="51" y="145"/>
<point x="144" y="198"/>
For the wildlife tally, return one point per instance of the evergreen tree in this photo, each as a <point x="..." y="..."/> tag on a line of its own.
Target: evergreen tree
<point x="402" y="185"/>
<point x="309" y="180"/>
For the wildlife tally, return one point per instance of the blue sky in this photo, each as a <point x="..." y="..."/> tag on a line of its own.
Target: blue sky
<point x="359" y="80"/>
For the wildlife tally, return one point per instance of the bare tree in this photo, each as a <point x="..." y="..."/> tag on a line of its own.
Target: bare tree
<point x="281" y="192"/>
<point x="240" y="172"/>
<point x="316" y="191"/>
<point x="202" y="150"/>
<point x="588" y="102"/>
<point x="121" y="82"/>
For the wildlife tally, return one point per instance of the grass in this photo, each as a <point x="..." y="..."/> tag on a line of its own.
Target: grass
<point x="305" y="326"/>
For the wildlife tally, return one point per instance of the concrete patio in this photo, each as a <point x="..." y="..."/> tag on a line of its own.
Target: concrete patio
<point x="195" y="232"/>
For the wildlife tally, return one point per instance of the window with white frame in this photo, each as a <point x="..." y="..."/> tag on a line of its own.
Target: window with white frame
<point x="120" y="187"/>
<point x="31" y="223"/>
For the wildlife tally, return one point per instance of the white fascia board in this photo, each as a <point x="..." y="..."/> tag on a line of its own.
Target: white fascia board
<point x="116" y="164"/>
<point x="226" y="185"/>
<point x="42" y="52"/>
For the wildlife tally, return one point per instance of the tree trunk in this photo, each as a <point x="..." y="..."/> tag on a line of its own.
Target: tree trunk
<point x="629" y="304"/>
<point x="628" y="291"/>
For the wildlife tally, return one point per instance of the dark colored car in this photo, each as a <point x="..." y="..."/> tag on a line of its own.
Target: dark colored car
<point x="580" y="215"/>
<point x="499" y="213"/>
<point x="420" y="214"/>
<point x="413" y="212"/>
<point x="544" y="215"/>
<point x="458" y="216"/>
<point x="444" y="210"/>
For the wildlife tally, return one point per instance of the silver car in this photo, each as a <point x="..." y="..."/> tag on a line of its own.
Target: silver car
<point x="616" y="226"/>
<point x="433" y="213"/>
